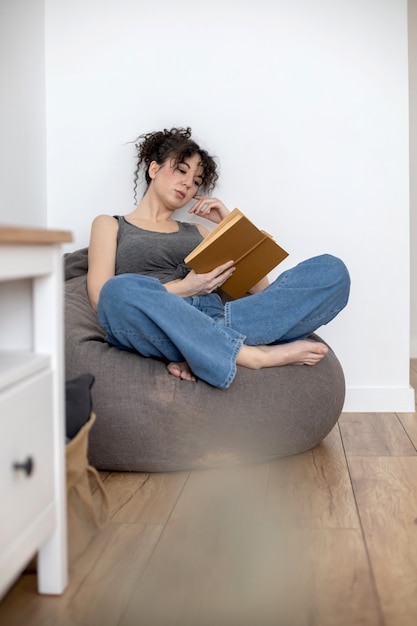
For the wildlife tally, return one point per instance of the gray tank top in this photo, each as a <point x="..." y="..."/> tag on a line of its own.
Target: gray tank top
<point x="160" y="255"/>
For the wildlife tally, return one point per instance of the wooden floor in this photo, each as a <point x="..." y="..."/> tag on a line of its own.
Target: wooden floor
<point x="326" y="538"/>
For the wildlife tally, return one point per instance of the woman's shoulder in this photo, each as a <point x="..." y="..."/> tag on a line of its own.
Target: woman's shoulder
<point x="104" y="218"/>
<point x="105" y="223"/>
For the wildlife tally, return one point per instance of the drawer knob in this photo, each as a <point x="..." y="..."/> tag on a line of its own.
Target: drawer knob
<point x="27" y="466"/>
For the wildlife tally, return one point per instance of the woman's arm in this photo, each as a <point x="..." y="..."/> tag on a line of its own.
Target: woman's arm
<point x="194" y="284"/>
<point x="101" y="255"/>
<point x="213" y="210"/>
<point x="201" y="284"/>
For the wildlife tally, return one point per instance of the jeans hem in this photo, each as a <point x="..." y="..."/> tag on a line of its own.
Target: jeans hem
<point x="233" y="367"/>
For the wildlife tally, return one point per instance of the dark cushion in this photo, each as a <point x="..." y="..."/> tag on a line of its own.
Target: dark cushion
<point x="150" y="421"/>
<point x="78" y="403"/>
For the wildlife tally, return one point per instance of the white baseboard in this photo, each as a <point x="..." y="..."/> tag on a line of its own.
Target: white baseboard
<point x="379" y="401"/>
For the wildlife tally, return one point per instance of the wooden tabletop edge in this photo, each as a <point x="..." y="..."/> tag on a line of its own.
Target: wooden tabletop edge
<point x="30" y="235"/>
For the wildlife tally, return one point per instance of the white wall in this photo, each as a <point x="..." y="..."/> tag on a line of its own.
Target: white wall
<point x="305" y="103"/>
<point x="22" y="113"/>
<point x="412" y="33"/>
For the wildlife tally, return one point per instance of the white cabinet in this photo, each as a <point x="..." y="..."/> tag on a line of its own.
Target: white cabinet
<point x="32" y="408"/>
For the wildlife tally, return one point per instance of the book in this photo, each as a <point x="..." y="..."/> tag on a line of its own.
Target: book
<point x="237" y="239"/>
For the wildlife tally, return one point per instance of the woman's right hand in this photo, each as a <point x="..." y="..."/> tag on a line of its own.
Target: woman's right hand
<point x="202" y="284"/>
<point x="211" y="209"/>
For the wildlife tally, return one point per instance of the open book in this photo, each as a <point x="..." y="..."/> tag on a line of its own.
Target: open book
<point x="237" y="239"/>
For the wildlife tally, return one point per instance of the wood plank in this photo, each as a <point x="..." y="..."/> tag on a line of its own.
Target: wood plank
<point x="385" y="489"/>
<point x="314" y="487"/>
<point x="302" y="577"/>
<point x="374" y="434"/>
<point x="100" y="584"/>
<point x="409" y="422"/>
<point x="190" y="578"/>
<point x="143" y="498"/>
<point x="42" y="609"/>
<point x="104" y="594"/>
<point x="224" y="561"/>
<point x="20" y="235"/>
<point x="341" y="587"/>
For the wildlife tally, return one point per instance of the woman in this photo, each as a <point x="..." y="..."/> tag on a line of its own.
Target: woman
<point x="149" y="302"/>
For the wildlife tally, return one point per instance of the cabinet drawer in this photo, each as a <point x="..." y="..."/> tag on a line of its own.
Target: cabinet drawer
<point x="26" y="433"/>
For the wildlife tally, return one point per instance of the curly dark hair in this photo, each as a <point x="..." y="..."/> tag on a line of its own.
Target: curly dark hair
<point x="175" y="144"/>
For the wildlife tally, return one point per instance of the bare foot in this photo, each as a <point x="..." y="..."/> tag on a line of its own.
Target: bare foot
<point x="302" y="352"/>
<point x="181" y="370"/>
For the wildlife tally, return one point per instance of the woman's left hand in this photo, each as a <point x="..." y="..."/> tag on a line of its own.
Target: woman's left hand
<point x="211" y="209"/>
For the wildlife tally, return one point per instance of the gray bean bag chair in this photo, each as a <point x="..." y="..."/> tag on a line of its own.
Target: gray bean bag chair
<point x="150" y="421"/>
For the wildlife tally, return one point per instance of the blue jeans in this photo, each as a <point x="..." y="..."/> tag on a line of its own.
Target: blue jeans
<point x="140" y="315"/>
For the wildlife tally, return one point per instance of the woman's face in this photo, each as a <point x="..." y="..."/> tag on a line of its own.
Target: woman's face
<point x="177" y="184"/>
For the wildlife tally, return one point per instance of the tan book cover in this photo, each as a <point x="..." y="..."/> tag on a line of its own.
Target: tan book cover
<point x="237" y="239"/>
